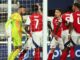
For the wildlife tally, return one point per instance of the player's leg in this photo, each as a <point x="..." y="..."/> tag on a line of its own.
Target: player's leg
<point x="65" y="51"/>
<point x="78" y="39"/>
<point x="21" y="56"/>
<point x="72" y="52"/>
<point x="17" y="43"/>
<point x="14" y="53"/>
<point x="10" y="55"/>
<point x="65" y="34"/>
<point x="37" y="54"/>
<point x="26" y="47"/>
<point x="52" y="46"/>
<point x="74" y="37"/>
<point x="77" y="42"/>
<point x="61" y="46"/>
<point x="36" y="41"/>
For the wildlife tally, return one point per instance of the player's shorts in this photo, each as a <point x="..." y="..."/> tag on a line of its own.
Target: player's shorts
<point x="75" y="37"/>
<point x="29" y="44"/>
<point x="37" y="38"/>
<point x="55" y="43"/>
<point x="17" y="41"/>
<point x="64" y="35"/>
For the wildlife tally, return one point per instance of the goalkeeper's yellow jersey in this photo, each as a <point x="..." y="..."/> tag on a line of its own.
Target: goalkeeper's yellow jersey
<point x="16" y="26"/>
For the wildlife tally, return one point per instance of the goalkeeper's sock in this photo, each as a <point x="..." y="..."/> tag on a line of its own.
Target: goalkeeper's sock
<point x="50" y="55"/>
<point x="37" y="54"/>
<point x="21" y="56"/>
<point x="64" y="55"/>
<point x="10" y="55"/>
<point x="14" y="55"/>
<point x="72" y="53"/>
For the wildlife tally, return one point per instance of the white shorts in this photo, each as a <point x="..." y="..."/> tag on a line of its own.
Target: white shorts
<point x="29" y="44"/>
<point x="65" y="34"/>
<point x="55" y="42"/>
<point x="75" y="37"/>
<point x="37" y="38"/>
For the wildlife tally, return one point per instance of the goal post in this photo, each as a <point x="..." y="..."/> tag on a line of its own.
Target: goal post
<point x="45" y="34"/>
<point x="9" y="14"/>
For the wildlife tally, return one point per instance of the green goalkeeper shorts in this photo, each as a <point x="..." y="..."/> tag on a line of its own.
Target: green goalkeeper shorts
<point x="17" y="41"/>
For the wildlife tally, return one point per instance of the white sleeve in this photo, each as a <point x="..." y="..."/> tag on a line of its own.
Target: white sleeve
<point x="52" y="24"/>
<point x="28" y="21"/>
<point x="50" y="18"/>
<point x="8" y="30"/>
<point x="71" y="18"/>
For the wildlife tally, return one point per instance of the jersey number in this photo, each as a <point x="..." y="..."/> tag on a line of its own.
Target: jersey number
<point x="78" y="19"/>
<point x="67" y="17"/>
<point x="37" y="22"/>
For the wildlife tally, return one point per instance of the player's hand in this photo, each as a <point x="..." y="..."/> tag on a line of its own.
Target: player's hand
<point x="53" y="35"/>
<point x="38" y="5"/>
<point x="56" y="37"/>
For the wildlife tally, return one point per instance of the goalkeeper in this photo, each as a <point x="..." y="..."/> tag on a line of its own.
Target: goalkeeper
<point x="15" y="21"/>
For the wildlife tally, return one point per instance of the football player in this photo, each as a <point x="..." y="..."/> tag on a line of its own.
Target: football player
<point x="76" y="23"/>
<point x="56" y="33"/>
<point x="35" y="25"/>
<point x="66" y="22"/>
<point x="16" y="31"/>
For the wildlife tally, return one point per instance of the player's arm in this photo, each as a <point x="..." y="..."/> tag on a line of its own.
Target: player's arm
<point x="58" y="26"/>
<point x="8" y="27"/>
<point x="49" y="26"/>
<point x="7" y="23"/>
<point x="70" y="26"/>
<point x="27" y="27"/>
<point x="27" y="24"/>
<point x="39" y="8"/>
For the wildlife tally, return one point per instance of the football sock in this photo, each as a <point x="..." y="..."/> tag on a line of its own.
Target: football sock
<point x="64" y="55"/>
<point x="50" y="55"/>
<point x="21" y="56"/>
<point x="14" y="54"/>
<point x="37" y="54"/>
<point x="72" y="53"/>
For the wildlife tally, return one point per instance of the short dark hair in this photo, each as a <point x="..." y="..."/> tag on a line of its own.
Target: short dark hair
<point x="77" y="5"/>
<point x="21" y="6"/>
<point x="34" y="8"/>
<point x="69" y="9"/>
<point x="59" y="9"/>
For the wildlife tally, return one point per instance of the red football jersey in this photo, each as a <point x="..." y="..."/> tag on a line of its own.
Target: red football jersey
<point x="76" y="21"/>
<point x="36" y="22"/>
<point x="65" y="19"/>
<point x="55" y="25"/>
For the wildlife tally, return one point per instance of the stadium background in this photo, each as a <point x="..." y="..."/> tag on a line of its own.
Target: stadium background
<point x="52" y="4"/>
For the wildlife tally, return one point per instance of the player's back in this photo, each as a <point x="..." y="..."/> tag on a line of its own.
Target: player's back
<point x="65" y="19"/>
<point x="16" y="24"/>
<point x="76" y="21"/>
<point x="36" y="22"/>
